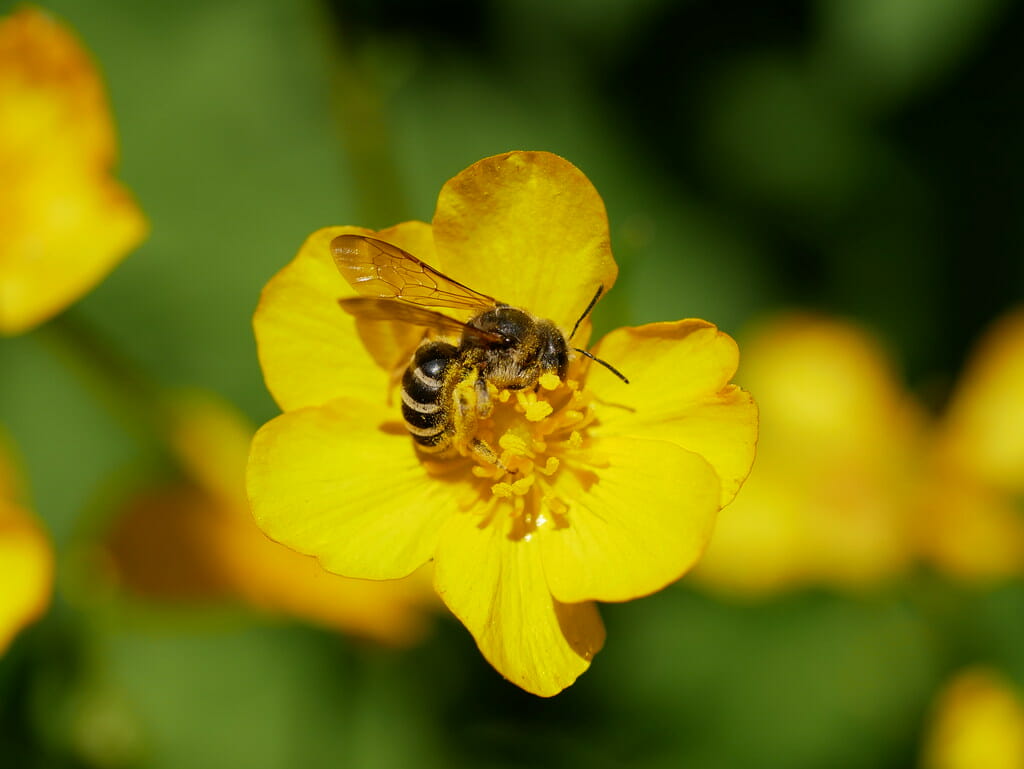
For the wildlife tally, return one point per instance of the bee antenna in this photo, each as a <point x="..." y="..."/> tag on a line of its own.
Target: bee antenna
<point x="586" y="312"/>
<point x="607" y="365"/>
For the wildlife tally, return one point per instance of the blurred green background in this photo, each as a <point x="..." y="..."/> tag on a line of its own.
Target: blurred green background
<point x="861" y="157"/>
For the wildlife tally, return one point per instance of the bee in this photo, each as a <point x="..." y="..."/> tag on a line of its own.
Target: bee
<point x="445" y="386"/>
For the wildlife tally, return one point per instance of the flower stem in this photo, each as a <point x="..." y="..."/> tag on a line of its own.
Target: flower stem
<point x="128" y="393"/>
<point x="366" y="138"/>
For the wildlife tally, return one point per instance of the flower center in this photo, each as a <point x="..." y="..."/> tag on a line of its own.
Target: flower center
<point x="537" y="434"/>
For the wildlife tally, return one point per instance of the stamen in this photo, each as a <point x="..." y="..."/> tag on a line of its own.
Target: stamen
<point x="574" y="442"/>
<point x="550" y="467"/>
<point x="523" y="485"/>
<point x="536" y="434"/>
<point x="502" y="490"/>
<point x="514" y="444"/>
<point x="538" y="411"/>
<point x="549" y="381"/>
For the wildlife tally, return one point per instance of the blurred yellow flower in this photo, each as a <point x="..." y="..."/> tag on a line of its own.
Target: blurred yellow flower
<point x="196" y="540"/>
<point x="64" y="222"/>
<point x="26" y="560"/>
<point x="828" y="500"/>
<point x="971" y="521"/>
<point x="978" y="723"/>
<point x="611" y="490"/>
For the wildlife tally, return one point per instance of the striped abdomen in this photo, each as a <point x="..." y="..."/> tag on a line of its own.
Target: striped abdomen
<point x="426" y="394"/>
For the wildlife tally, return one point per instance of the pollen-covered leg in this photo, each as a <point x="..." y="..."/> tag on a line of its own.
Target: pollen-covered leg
<point x="484" y="404"/>
<point x="472" y="404"/>
<point x="483" y="450"/>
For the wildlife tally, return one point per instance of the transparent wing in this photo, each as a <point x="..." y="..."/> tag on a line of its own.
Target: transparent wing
<point x="377" y="308"/>
<point x="379" y="269"/>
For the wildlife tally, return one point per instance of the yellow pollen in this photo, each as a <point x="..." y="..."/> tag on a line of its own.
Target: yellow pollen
<point x="523" y="485"/>
<point x="514" y="445"/>
<point x="572" y="415"/>
<point x="575" y="440"/>
<point x="538" y="411"/>
<point x="502" y="490"/>
<point x="549" y="381"/>
<point x="504" y="395"/>
<point x="550" y="466"/>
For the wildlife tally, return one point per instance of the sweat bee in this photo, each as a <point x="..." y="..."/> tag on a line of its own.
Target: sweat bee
<point x="445" y="387"/>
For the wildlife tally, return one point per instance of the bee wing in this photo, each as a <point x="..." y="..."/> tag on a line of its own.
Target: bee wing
<point x="378" y="308"/>
<point x="379" y="269"/>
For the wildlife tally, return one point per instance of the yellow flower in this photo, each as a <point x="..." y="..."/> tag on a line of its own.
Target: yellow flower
<point x="971" y="522"/>
<point x="978" y="722"/>
<point x="26" y="560"/>
<point x="604" y="491"/>
<point x="828" y="500"/>
<point x="64" y="222"/>
<point x="196" y="540"/>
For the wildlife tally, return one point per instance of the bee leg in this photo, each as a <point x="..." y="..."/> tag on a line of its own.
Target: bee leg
<point x="465" y="411"/>
<point x="473" y="401"/>
<point x="484" y="405"/>
<point x="483" y="450"/>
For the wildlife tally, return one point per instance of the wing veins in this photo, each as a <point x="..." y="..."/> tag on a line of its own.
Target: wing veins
<point x="384" y="309"/>
<point x="378" y="269"/>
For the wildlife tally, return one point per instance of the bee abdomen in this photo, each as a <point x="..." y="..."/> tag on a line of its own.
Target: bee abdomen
<point x="423" y="395"/>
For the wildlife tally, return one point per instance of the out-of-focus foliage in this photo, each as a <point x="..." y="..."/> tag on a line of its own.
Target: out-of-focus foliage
<point x="196" y="540"/>
<point x="859" y="159"/>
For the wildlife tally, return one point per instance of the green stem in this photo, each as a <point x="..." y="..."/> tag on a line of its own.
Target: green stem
<point x="129" y="394"/>
<point x="366" y="138"/>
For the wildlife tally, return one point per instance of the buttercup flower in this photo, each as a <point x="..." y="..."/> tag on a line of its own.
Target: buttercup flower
<point x="601" y="490"/>
<point x="828" y="501"/>
<point x="195" y="540"/>
<point x="971" y="524"/>
<point x="64" y="222"/>
<point x="978" y="722"/>
<point x="26" y="560"/>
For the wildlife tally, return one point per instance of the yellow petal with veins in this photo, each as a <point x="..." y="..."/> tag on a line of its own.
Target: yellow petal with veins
<point x="633" y="525"/>
<point x="529" y="229"/>
<point x="679" y="391"/>
<point x="496" y="587"/>
<point x="343" y="482"/>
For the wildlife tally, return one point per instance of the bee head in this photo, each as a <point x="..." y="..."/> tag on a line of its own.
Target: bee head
<point x="554" y="352"/>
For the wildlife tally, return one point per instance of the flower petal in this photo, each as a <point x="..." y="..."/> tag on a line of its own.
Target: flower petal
<point x="182" y="543"/>
<point x="679" y="391"/>
<point x="981" y="433"/>
<point x="495" y="585"/>
<point x="26" y="579"/>
<point x="632" y="526"/>
<point x="64" y="222"/>
<point x="343" y="482"/>
<point x="529" y="229"/>
<point x="308" y="346"/>
<point x="160" y="545"/>
<point x="311" y="350"/>
<point x="977" y="721"/>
